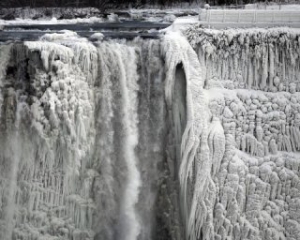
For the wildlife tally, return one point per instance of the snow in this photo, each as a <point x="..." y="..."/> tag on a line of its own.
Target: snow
<point x="293" y="7"/>
<point x="25" y="17"/>
<point x="113" y="17"/>
<point x="97" y="36"/>
<point x="27" y="21"/>
<point x="182" y="23"/>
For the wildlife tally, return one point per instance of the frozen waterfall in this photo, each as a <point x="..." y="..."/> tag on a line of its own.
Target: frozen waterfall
<point x="78" y="131"/>
<point x="193" y="136"/>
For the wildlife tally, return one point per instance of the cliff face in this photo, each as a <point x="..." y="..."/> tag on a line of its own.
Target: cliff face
<point x="194" y="136"/>
<point x="251" y="83"/>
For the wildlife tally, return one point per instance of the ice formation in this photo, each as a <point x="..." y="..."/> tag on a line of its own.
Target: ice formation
<point x="70" y="168"/>
<point x="192" y="136"/>
<point x="252" y="84"/>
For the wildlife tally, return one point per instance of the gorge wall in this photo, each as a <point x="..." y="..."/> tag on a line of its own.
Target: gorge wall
<point x="191" y="136"/>
<point x="252" y="86"/>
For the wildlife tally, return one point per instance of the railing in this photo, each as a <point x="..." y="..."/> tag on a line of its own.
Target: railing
<point x="250" y="17"/>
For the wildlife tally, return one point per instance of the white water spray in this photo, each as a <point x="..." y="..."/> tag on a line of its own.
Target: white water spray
<point x="129" y="223"/>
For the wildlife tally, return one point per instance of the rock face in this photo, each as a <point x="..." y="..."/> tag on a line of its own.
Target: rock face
<point x="194" y="136"/>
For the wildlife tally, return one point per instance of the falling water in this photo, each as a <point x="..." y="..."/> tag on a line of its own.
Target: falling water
<point x="129" y="222"/>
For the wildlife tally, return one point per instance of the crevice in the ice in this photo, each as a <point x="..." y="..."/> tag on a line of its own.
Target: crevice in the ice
<point x="179" y="111"/>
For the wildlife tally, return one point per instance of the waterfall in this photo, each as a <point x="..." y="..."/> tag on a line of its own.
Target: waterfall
<point x="191" y="136"/>
<point x="129" y="222"/>
<point x="70" y="155"/>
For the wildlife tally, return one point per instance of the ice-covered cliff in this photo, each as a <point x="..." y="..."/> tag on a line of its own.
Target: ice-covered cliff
<point x="191" y="136"/>
<point x="251" y="84"/>
<point x="81" y="138"/>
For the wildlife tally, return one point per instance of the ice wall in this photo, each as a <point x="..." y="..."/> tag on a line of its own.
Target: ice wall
<point x="258" y="59"/>
<point x="76" y="142"/>
<point x="239" y="169"/>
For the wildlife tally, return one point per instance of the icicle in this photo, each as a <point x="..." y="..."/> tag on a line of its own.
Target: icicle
<point x="271" y="58"/>
<point x="216" y="143"/>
